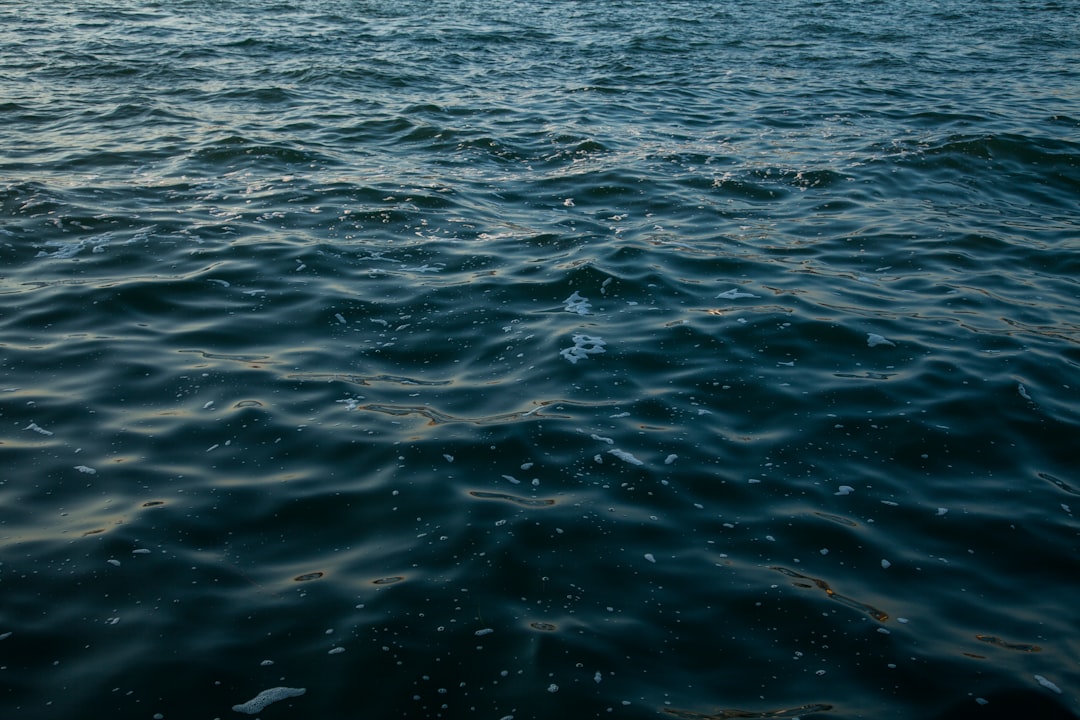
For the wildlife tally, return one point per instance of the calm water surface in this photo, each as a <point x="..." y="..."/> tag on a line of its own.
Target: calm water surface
<point x="486" y="359"/>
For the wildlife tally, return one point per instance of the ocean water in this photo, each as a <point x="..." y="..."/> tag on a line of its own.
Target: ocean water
<point x="488" y="359"/>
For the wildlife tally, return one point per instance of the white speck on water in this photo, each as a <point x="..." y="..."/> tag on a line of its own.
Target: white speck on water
<point x="1023" y="391"/>
<point x="266" y="663"/>
<point x="86" y="469"/>
<point x="650" y="557"/>
<point x="844" y="490"/>
<point x="113" y="561"/>
<point x="597" y="677"/>
<point x="873" y="340"/>
<point x="942" y="511"/>
<point x="340" y="318"/>
<point x="336" y="651"/>
<point x="625" y="456"/>
<point x="754" y="481"/>
<point x="601" y="438"/>
<point x="208" y="405"/>
<point x="670" y="459"/>
<point x="512" y="479"/>
<point x="885" y="564"/>
<point x="449" y="458"/>
<point x="140" y="551"/>
<point x="273" y="695"/>
<point x="553" y="688"/>
<point x="215" y="446"/>
<point x="824" y="551"/>
<point x="484" y="631"/>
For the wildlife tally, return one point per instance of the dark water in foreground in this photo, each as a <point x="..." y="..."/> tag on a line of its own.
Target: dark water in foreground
<point x="478" y="359"/>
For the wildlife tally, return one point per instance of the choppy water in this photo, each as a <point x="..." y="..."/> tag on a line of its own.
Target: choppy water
<point x="476" y="359"/>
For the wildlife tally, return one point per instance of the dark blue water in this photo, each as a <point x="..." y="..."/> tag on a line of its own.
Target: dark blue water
<point x="484" y="359"/>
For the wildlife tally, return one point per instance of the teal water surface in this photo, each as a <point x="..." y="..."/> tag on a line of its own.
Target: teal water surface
<point x="479" y="359"/>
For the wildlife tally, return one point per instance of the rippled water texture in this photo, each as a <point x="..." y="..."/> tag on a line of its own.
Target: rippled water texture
<point x="486" y="359"/>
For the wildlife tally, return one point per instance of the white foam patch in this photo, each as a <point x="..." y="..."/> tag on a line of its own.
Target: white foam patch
<point x="578" y="304"/>
<point x="584" y="346"/>
<point x="873" y="340"/>
<point x="86" y="469"/>
<point x="425" y="268"/>
<point x="734" y="294"/>
<point x="258" y="703"/>
<point x="625" y="456"/>
<point x="97" y="244"/>
<point x="1047" y="684"/>
<point x="38" y="429"/>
